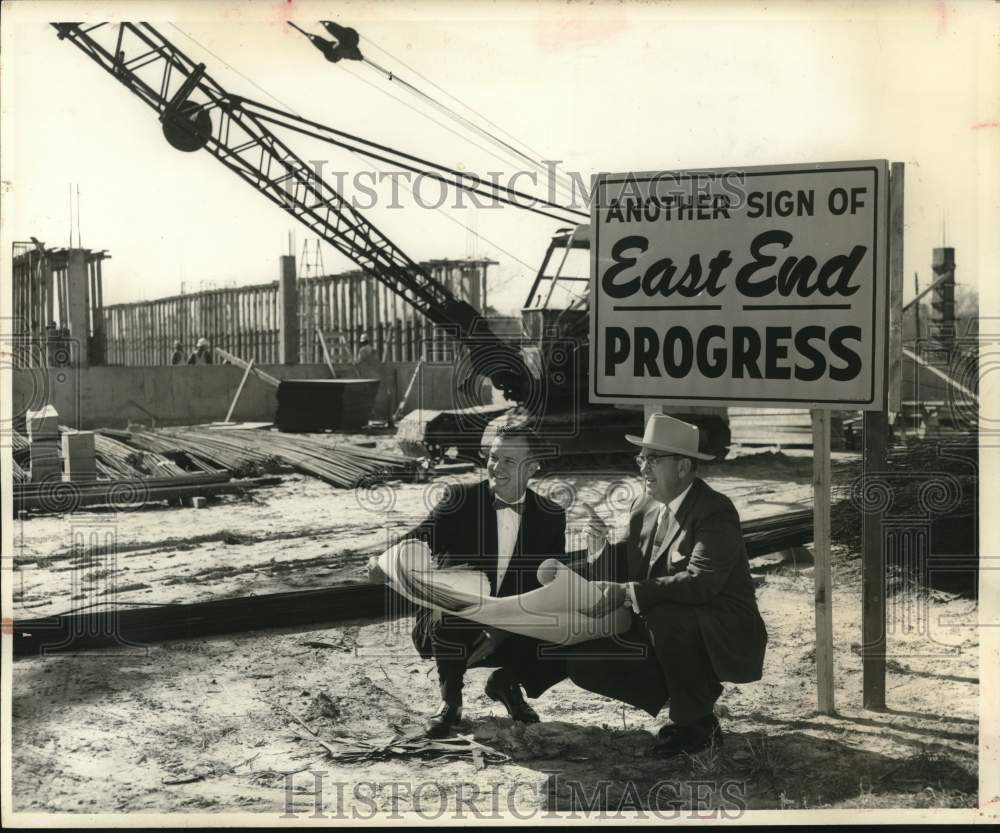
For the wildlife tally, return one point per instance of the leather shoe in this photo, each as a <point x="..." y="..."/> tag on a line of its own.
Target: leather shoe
<point x="690" y="739"/>
<point x="666" y="730"/>
<point x="443" y="721"/>
<point x="512" y="698"/>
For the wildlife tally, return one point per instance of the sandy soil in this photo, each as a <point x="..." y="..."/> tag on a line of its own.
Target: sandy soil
<point x="201" y="725"/>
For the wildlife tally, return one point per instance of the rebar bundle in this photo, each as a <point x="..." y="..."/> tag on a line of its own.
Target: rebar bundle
<point x="345" y="464"/>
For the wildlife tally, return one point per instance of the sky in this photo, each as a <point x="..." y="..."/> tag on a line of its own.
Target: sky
<point x="600" y="87"/>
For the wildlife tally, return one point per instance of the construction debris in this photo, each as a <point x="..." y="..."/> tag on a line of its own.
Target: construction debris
<point x="349" y="751"/>
<point x="925" y="479"/>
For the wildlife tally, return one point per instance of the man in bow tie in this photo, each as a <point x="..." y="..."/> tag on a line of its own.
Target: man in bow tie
<point x="506" y="530"/>
<point x="684" y="572"/>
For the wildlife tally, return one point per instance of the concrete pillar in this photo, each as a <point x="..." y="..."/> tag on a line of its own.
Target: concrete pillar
<point x="288" y="312"/>
<point x="77" y="302"/>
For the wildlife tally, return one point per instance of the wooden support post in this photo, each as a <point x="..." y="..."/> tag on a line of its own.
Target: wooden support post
<point x="239" y="391"/>
<point x="822" y="573"/>
<point x="873" y="566"/>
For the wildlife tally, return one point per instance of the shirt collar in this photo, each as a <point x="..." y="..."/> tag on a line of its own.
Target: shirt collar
<point x="500" y="503"/>
<point x="518" y="502"/>
<point x="675" y="504"/>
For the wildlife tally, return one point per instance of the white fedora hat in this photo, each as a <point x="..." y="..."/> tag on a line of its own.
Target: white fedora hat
<point x="666" y="433"/>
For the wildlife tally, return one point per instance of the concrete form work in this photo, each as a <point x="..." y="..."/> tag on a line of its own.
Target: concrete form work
<point x="58" y="297"/>
<point x="259" y="321"/>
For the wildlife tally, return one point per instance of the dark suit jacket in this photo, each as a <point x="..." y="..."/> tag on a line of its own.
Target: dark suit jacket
<point x="462" y="529"/>
<point x="703" y="564"/>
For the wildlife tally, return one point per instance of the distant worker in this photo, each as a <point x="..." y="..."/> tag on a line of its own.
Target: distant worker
<point x="202" y="353"/>
<point x="178" y="356"/>
<point x="365" y="353"/>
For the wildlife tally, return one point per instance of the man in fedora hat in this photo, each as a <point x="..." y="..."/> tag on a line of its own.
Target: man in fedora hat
<point x="683" y="570"/>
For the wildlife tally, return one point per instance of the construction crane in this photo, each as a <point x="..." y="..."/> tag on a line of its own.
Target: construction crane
<point x="546" y="379"/>
<point x="198" y="113"/>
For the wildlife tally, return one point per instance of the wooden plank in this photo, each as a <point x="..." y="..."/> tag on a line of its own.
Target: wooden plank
<point x="873" y="563"/>
<point x="823" y="574"/>
<point x="353" y="312"/>
<point x="326" y="354"/>
<point x="275" y="316"/>
<point x="143" y="626"/>
<point x="239" y="391"/>
<point x="258" y="325"/>
<point x="265" y="377"/>
<point x="240" y="346"/>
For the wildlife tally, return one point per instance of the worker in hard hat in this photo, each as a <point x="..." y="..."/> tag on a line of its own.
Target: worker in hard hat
<point x="367" y="356"/>
<point x="202" y="353"/>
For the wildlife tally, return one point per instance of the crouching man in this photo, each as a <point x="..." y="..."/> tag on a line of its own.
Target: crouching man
<point x="684" y="572"/>
<point x="506" y="530"/>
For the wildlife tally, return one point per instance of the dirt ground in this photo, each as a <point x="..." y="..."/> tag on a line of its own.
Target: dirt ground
<point x="204" y="725"/>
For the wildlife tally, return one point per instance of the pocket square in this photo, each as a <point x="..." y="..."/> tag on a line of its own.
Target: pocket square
<point x="676" y="556"/>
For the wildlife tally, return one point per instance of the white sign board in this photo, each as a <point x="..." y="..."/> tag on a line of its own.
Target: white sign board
<point x="763" y="286"/>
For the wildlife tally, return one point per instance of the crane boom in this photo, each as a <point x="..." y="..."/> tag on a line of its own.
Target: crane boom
<point x="198" y="113"/>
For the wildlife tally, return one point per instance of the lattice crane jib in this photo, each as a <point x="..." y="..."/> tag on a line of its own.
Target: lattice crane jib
<point x="197" y="113"/>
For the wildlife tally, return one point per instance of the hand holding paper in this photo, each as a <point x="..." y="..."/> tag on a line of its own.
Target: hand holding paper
<point x="560" y="611"/>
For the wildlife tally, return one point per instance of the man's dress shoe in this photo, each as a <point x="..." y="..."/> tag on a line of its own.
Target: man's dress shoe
<point x="666" y="730"/>
<point x="690" y="739"/>
<point x="443" y="721"/>
<point x="512" y="698"/>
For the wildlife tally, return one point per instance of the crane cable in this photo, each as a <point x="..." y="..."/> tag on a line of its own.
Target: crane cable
<point x="312" y="129"/>
<point x="567" y="190"/>
<point x="327" y="47"/>
<point x="273" y="97"/>
<point x="460" y="102"/>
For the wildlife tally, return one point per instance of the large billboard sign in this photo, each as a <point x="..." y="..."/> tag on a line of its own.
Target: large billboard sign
<point x="764" y="286"/>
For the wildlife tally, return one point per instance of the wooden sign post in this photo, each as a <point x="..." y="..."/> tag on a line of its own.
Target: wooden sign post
<point x="873" y="465"/>
<point x="822" y="570"/>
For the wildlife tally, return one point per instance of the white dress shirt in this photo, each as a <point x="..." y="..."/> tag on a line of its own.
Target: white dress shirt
<point x="673" y="506"/>
<point x="508" y="525"/>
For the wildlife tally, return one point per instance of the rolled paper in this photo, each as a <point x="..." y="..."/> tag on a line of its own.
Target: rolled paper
<point x="556" y="612"/>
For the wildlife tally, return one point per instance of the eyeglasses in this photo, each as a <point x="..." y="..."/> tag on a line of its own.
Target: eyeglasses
<point x="641" y="460"/>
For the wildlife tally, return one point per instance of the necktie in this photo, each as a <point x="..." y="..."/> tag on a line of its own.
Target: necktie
<point x="662" y="526"/>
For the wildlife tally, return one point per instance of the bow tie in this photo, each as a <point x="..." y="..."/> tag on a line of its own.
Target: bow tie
<point x="502" y="504"/>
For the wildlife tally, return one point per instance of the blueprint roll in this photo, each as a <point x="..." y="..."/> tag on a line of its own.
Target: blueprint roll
<point x="557" y="612"/>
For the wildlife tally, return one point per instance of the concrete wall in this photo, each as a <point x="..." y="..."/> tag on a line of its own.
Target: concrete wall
<point x="111" y="397"/>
